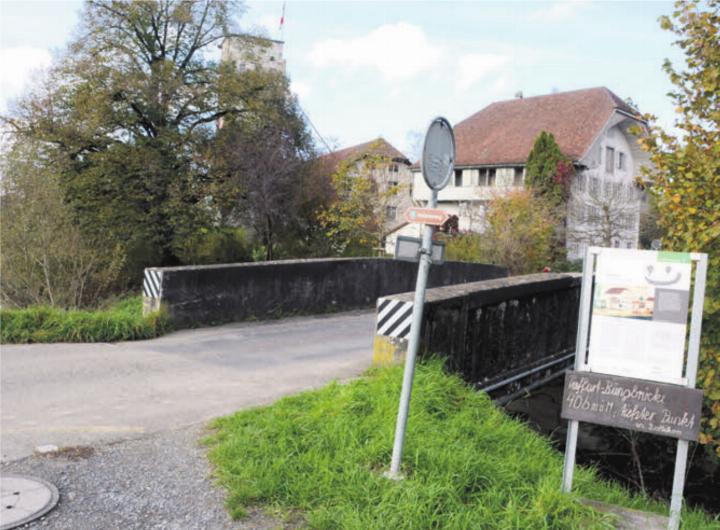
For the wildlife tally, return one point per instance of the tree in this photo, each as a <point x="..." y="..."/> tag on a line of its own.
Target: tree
<point x="548" y="172"/>
<point x="649" y="228"/>
<point x="45" y="260"/>
<point x="518" y="235"/>
<point x="600" y="212"/>
<point x="685" y="176"/>
<point x="355" y="221"/>
<point x="349" y="220"/>
<point x="127" y="112"/>
<point x="261" y="167"/>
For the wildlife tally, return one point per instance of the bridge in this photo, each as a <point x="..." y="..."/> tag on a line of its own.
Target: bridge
<point x="504" y="335"/>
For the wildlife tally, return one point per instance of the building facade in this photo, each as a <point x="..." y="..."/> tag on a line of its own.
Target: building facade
<point x="593" y="127"/>
<point x="393" y="180"/>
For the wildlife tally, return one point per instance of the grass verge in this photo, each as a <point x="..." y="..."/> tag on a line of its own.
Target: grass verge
<point x="121" y="321"/>
<point x="467" y="465"/>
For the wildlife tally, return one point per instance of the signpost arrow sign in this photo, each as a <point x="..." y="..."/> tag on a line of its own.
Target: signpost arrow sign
<point x="428" y="216"/>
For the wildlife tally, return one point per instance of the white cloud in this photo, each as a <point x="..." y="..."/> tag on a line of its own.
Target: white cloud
<point x="474" y="66"/>
<point x="558" y="11"/>
<point x="19" y="65"/>
<point x="399" y="51"/>
<point x="300" y="88"/>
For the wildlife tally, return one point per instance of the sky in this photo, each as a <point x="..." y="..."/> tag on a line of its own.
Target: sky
<point x="366" y="69"/>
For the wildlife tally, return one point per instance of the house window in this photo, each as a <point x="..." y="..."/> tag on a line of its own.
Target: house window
<point x="621" y="161"/>
<point x="391" y="212"/>
<point x="609" y="160"/>
<point x="394" y="168"/>
<point x="518" y="176"/>
<point x="392" y="183"/>
<point x="628" y="244"/>
<point x="458" y="178"/>
<point x="486" y="177"/>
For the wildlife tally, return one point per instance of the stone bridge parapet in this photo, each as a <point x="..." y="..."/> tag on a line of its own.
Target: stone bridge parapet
<point x="507" y="333"/>
<point x="212" y="294"/>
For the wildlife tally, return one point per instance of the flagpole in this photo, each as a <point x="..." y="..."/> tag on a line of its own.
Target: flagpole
<point x="282" y="23"/>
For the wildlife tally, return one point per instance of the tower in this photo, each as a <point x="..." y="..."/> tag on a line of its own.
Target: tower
<point x="249" y="52"/>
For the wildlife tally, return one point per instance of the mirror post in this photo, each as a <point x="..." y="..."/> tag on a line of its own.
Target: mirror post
<point x="413" y="345"/>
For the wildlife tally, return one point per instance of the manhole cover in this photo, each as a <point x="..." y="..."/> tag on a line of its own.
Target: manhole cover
<point x="25" y="499"/>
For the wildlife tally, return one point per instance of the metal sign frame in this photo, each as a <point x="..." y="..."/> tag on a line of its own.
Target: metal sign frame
<point x="437" y="254"/>
<point x="691" y="365"/>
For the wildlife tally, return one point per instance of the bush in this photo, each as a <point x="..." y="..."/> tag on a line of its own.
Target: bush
<point x="45" y="259"/>
<point x="221" y="245"/>
<point x="519" y="235"/>
<point x="122" y="321"/>
<point x="465" y="247"/>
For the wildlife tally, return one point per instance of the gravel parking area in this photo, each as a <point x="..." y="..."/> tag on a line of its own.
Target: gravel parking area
<point x="161" y="481"/>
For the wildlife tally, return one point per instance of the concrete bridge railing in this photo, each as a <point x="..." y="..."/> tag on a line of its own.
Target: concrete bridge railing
<point x="211" y="294"/>
<point x="508" y="333"/>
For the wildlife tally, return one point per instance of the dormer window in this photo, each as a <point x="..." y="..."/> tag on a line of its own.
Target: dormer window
<point x="621" y="161"/>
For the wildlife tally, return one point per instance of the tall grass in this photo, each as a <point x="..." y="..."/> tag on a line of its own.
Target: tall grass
<point x="466" y="464"/>
<point x="121" y="321"/>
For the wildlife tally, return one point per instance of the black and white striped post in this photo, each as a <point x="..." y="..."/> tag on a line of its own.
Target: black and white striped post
<point x="438" y="162"/>
<point x="152" y="283"/>
<point x="152" y="290"/>
<point x="394" y="318"/>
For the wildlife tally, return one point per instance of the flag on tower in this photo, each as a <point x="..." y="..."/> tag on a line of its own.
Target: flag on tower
<point x="282" y="17"/>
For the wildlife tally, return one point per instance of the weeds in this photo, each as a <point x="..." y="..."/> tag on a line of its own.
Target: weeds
<point x="121" y="321"/>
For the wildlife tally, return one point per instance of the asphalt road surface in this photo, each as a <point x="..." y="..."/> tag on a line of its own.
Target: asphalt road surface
<point x="85" y="394"/>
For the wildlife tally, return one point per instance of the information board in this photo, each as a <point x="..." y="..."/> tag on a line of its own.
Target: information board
<point x="656" y="408"/>
<point x="639" y="314"/>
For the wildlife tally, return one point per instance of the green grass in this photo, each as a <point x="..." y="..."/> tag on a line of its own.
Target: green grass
<point x="320" y="455"/>
<point x="121" y="321"/>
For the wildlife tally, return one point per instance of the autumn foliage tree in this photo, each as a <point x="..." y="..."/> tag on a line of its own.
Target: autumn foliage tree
<point x="126" y="114"/>
<point x="355" y="219"/>
<point x="518" y="234"/>
<point x="685" y="176"/>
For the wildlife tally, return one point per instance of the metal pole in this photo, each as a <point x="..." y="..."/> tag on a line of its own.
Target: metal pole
<point x="580" y="351"/>
<point x="690" y="375"/>
<point x="413" y="344"/>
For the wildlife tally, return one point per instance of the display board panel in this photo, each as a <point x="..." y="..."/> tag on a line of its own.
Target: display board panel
<point x="639" y="314"/>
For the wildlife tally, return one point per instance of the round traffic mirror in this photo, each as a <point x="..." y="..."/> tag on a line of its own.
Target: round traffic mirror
<point x="438" y="158"/>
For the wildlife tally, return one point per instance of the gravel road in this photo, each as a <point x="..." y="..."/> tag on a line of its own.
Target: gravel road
<point x="160" y="481"/>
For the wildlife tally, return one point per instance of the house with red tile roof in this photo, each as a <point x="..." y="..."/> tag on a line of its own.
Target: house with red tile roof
<point x="393" y="173"/>
<point x="594" y="127"/>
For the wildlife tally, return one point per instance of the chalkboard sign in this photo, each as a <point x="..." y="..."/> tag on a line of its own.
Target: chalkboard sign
<point x="637" y="404"/>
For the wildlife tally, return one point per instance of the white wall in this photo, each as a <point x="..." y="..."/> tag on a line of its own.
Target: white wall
<point x="618" y="137"/>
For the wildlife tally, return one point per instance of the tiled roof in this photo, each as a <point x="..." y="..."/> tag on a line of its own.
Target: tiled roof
<point x="504" y="132"/>
<point x="379" y="147"/>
